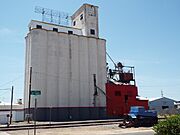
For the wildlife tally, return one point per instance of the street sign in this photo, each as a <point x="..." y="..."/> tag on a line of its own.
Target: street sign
<point x="35" y="92"/>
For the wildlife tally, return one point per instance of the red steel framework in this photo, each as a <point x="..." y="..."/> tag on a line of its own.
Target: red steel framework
<point x="121" y="91"/>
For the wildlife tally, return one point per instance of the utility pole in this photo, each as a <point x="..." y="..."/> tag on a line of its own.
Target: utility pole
<point x="29" y="103"/>
<point x="12" y="90"/>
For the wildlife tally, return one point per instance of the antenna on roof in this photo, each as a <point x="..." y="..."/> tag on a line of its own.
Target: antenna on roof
<point x="162" y="93"/>
<point x="53" y="16"/>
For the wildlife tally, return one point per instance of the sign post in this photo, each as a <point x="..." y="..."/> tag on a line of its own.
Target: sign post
<point x="35" y="116"/>
<point x="35" y="93"/>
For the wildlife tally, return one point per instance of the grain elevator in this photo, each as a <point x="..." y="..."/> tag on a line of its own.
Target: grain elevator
<point x="67" y="63"/>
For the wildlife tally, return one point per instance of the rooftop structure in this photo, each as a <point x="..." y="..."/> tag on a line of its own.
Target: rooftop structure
<point x="84" y="22"/>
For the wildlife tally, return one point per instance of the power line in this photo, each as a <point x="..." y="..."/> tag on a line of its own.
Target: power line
<point x="11" y="81"/>
<point x="6" y="89"/>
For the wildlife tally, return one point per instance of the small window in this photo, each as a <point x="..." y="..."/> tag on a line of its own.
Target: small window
<point x="55" y="29"/>
<point x="74" y="23"/>
<point x="81" y="16"/>
<point x="126" y="98"/>
<point x="70" y="32"/>
<point x="165" y="107"/>
<point x="92" y="31"/>
<point x="117" y="93"/>
<point x="39" y="26"/>
<point x="29" y="28"/>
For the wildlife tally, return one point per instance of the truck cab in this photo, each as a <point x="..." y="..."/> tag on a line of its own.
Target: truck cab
<point x="139" y="117"/>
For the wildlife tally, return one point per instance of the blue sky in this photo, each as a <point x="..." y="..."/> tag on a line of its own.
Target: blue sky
<point x="145" y="34"/>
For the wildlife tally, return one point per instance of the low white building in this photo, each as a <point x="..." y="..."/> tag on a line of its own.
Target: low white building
<point x="162" y="105"/>
<point x="17" y="112"/>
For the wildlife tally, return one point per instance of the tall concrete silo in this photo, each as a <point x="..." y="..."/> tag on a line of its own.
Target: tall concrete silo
<point x="66" y="63"/>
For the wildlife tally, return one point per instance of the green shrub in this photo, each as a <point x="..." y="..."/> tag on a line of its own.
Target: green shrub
<point x="170" y="126"/>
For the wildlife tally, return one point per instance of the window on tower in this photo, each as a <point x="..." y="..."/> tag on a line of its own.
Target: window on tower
<point x="39" y="26"/>
<point x="74" y="23"/>
<point x="55" y="29"/>
<point x="70" y="32"/>
<point x="92" y="31"/>
<point x="81" y="16"/>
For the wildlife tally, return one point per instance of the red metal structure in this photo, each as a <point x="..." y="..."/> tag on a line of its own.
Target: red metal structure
<point x="121" y="91"/>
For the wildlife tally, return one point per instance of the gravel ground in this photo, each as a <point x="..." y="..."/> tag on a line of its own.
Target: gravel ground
<point x="87" y="130"/>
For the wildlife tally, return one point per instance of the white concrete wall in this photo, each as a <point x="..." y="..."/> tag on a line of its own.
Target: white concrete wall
<point x="89" y="21"/>
<point x="92" y="20"/>
<point x="79" y="23"/>
<point x="63" y="66"/>
<point x="49" y="26"/>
